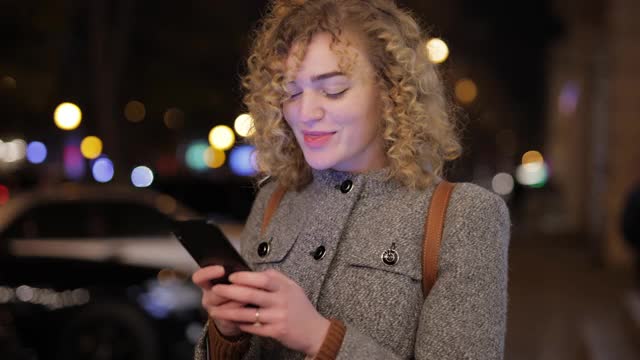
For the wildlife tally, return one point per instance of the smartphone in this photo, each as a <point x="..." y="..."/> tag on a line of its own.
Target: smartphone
<point x="208" y="245"/>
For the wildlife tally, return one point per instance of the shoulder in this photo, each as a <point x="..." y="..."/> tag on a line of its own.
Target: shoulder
<point x="471" y="202"/>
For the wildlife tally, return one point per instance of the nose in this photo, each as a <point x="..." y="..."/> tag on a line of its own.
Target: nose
<point x="311" y="108"/>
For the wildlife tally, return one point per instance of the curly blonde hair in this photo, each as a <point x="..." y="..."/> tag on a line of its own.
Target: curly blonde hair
<point x="419" y="132"/>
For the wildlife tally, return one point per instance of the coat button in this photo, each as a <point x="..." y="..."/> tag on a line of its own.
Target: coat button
<point x="319" y="253"/>
<point x="263" y="249"/>
<point x="390" y="256"/>
<point x="346" y="186"/>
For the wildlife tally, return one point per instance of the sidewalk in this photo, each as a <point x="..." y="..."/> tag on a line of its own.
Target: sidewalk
<point x="562" y="306"/>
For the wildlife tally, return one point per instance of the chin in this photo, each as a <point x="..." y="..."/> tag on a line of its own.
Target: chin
<point x="319" y="163"/>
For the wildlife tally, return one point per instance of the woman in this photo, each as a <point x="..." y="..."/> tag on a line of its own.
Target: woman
<point x="350" y="118"/>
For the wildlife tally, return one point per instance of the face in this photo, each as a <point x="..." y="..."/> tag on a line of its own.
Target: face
<point x="335" y="115"/>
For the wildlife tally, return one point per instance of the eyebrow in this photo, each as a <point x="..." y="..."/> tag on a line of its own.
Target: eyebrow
<point x="326" y="75"/>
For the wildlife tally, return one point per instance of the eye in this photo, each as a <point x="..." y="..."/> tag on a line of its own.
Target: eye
<point x="335" y="94"/>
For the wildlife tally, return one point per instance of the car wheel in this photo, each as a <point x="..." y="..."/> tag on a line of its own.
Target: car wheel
<point x="108" y="331"/>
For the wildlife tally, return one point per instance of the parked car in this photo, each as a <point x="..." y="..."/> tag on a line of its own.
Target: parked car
<point x="93" y="272"/>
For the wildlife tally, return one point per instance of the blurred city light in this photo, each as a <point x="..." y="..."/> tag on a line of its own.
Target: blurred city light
<point x="214" y="158"/>
<point x="174" y="118"/>
<point x="242" y="160"/>
<point x="166" y="204"/>
<point x="466" y="91"/>
<point x="102" y="170"/>
<point x="36" y="152"/>
<point x="13" y="151"/>
<point x="195" y="155"/>
<point x="134" y="111"/>
<point x="8" y="82"/>
<point x="502" y="184"/>
<point x="568" y="99"/>
<point x="91" y="147"/>
<point x="67" y="116"/>
<point x="221" y="137"/>
<point x="142" y="176"/>
<point x="534" y="174"/>
<point x="532" y="156"/>
<point x="74" y="166"/>
<point x="4" y="194"/>
<point x="244" y="125"/>
<point x="437" y="50"/>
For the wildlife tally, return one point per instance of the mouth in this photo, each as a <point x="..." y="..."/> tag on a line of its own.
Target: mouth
<point x="316" y="139"/>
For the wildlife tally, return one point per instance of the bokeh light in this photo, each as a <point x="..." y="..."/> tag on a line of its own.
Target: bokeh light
<point x="534" y="174"/>
<point x="221" y="137"/>
<point x="14" y="151"/>
<point x="242" y="160"/>
<point x="4" y="194"/>
<point x="466" y="91"/>
<point x="134" y="111"/>
<point x="74" y="165"/>
<point x="214" y="158"/>
<point x="244" y="125"/>
<point x="141" y="176"/>
<point x="91" y="147"/>
<point x="437" y="50"/>
<point x="174" y="118"/>
<point x="102" y="170"/>
<point x="502" y="184"/>
<point x="532" y="156"/>
<point x="67" y="116"/>
<point x="195" y="155"/>
<point x="36" y="152"/>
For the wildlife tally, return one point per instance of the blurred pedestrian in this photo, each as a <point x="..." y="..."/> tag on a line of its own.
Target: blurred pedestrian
<point x="352" y="129"/>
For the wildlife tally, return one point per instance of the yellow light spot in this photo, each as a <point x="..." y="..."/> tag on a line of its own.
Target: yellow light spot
<point x="214" y="158"/>
<point x="174" y="118"/>
<point x="134" y="111"/>
<point x="244" y="125"/>
<point x="466" y="91"/>
<point x="67" y="116"/>
<point x="532" y="156"/>
<point x="437" y="50"/>
<point x="221" y="137"/>
<point x="91" y="147"/>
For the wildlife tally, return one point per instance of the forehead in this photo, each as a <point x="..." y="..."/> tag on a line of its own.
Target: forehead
<point x="324" y="54"/>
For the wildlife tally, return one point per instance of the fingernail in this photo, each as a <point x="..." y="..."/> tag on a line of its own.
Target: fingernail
<point x="232" y="277"/>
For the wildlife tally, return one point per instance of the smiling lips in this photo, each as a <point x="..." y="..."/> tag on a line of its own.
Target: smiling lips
<point x="317" y="139"/>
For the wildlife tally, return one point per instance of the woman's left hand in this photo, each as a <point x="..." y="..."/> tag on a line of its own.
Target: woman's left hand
<point x="285" y="312"/>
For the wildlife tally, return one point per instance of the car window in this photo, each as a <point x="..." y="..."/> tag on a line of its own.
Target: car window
<point x="84" y="219"/>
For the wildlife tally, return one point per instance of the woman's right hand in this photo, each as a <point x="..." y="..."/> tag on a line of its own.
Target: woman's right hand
<point x="211" y="301"/>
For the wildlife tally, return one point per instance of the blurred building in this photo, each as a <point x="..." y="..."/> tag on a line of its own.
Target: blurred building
<point x="593" y="132"/>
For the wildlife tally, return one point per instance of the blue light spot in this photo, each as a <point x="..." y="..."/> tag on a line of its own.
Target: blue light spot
<point x="74" y="166"/>
<point x="142" y="176"/>
<point x="102" y="170"/>
<point x="241" y="160"/>
<point x="36" y="152"/>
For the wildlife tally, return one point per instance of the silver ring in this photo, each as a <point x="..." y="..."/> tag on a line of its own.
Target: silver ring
<point x="257" y="322"/>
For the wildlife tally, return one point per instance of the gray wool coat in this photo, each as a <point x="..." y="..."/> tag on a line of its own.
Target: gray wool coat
<point x="382" y="306"/>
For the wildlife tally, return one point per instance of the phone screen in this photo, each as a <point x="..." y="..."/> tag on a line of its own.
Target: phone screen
<point x="208" y="245"/>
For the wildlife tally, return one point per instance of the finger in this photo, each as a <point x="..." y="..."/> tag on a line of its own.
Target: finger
<point x="244" y="294"/>
<point x="266" y="280"/>
<point x="262" y="330"/>
<point x="202" y="278"/>
<point x="243" y="315"/>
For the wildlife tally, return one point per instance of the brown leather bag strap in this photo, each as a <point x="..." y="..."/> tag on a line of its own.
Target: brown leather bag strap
<point x="433" y="228"/>
<point x="272" y="206"/>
